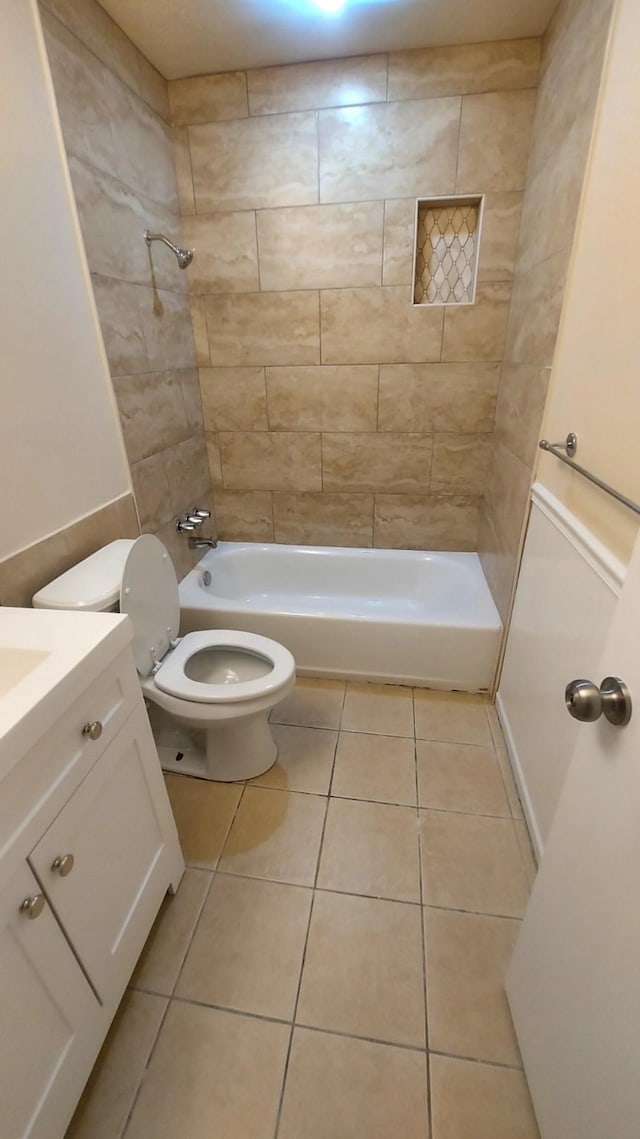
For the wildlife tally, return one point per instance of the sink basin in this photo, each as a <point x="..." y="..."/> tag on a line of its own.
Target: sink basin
<point x="16" y="664"/>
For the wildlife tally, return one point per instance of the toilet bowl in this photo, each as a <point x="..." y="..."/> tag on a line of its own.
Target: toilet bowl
<point x="215" y="688"/>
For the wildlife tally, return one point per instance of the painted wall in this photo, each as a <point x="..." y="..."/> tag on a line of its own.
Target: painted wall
<point x="595" y="389"/>
<point x="113" y="108"/>
<point x="61" y="452"/>
<point x="335" y="411"/>
<point x="572" y="57"/>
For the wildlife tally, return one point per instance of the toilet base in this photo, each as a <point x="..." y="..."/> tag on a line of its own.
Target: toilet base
<point x="234" y="750"/>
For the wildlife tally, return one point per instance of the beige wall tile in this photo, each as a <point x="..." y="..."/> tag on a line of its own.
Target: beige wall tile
<point x="477" y="331"/>
<point x="166" y="326"/>
<point x="426" y="522"/>
<point x="200" y="1070"/>
<point x="151" y="488"/>
<point x="344" y="1087"/>
<point x="367" y="462"/>
<point x="244" y="515"/>
<point x="264" y="328"/>
<point x="362" y="326"/>
<point x="233" y="399"/>
<point x="184" y="179"/>
<point x="399" y="240"/>
<point x="480" y="1100"/>
<point x="460" y="463"/>
<point x="199" y="329"/>
<point x="554" y="190"/>
<point x="190" y="384"/>
<point x="260" y="460"/>
<point x="214" y="457"/>
<point x="327" y="83"/>
<point x="153" y="87"/>
<point x="208" y="98"/>
<point x="381" y="953"/>
<point x="255" y="163"/>
<point x="323" y="519"/>
<point x="226" y="255"/>
<point x="507" y="494"/>
<point x="25" y="573"/>
<point x="117" y="304"/>
<point x="143" y="145"/>
<point x="499" y="238"/>
<point x="437" y="397"/>
<point x="320" y="247"/>
<point x="535" y="311"/>
<point x="389" y="151"/>
<point x="187" y="473"/>
<point x="499" y="564"/>
<point x="323" y="399"/>
<point x="495" y="132"/>
<point x="467" y="957"/>
<point x="152" y="412"/>
<point x="463" y="69"/>
<point x="521" y="401"/>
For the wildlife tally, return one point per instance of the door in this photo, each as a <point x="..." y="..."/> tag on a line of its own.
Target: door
<point x="105" y="862"/>
<point x="49" y="1019"/>
<point x="574" y="980"/>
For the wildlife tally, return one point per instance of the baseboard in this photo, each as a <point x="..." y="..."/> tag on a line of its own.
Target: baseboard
<point x="527" y="805"/>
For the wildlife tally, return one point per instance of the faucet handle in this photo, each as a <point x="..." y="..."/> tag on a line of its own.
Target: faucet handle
<point x="184" y="527"/>
<point x="194" y="519"/>
<point x="201" y="514"/>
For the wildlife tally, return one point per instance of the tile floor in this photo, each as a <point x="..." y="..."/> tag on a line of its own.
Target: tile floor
<point x="283" y="990"/>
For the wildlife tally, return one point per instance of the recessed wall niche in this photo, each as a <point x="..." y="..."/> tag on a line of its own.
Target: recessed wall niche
<point x="446" y="250"/>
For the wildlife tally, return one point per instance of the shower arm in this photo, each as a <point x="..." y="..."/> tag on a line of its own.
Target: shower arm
<point x="184" y="256"/>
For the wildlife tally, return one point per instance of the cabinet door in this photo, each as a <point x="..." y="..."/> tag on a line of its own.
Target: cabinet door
<point x="119" y="831"/>
<point x="49" y="1018"/>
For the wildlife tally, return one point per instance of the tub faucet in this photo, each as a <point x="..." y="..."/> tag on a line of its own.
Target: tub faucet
<point x="203" y="543"/>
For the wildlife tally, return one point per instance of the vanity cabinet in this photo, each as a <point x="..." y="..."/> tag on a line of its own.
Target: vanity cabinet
<point x="88" y="849"/>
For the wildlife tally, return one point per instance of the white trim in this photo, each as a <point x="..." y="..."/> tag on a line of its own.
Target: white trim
<point x="525" y="798"/>
<point x="606" y="565"/>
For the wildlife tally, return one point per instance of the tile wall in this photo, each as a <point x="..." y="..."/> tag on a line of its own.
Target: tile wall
<point x="114" y="112"/>
<point x="572" y="58"/>
<point x="335" y="411"/>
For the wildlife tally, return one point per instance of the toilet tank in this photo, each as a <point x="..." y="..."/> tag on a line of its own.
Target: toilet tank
<point x="93" y="584"/>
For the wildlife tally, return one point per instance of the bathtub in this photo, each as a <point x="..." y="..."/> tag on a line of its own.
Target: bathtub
<point x="426" y="619"/>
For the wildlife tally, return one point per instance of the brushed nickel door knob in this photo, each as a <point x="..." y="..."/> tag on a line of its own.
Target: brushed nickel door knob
<point x="33" y="907"/>
<point x="93" y="730"/>
<point x="63" y="864"/>
<point x="586" y="702"/>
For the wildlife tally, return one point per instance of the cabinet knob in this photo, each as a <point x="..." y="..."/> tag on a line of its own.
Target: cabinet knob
<point x="63" y="864"/>
<point x="93" y="730"/>
<point x="33" y="907"/>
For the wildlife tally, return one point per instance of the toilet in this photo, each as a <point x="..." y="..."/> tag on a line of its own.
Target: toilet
<point x="221" y="683"/>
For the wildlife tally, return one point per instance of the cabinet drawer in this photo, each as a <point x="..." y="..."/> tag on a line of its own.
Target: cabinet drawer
<point x="48" y="775"/>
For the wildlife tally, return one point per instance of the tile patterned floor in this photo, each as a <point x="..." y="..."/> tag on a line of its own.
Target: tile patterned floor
<point x="331" y="966"/>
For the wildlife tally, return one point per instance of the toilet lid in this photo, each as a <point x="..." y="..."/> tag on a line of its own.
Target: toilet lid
<point x="149" y="594"/>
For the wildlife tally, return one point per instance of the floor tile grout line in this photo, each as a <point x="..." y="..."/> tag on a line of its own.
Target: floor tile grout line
<point x="214" y="875"/>
<point x="424" y="954"/>
<point x="138" y="1090"/>
<point x="477" y="1060"/>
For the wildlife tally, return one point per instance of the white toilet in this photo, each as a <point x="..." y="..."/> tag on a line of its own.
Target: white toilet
<point x="221" y="682"/>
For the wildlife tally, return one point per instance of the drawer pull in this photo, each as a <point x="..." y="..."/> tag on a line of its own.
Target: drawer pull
<point x="63" y="864"/>
<point x="93" y="730"/>
<point x="33" y="907"/>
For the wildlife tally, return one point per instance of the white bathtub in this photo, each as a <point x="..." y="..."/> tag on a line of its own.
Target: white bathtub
<point x="426" y="619"/>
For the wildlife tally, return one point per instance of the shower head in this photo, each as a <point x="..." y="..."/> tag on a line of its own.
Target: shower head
<point x="184" y="257"/>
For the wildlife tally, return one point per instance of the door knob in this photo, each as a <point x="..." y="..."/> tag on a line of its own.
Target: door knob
<point x="586" y="702"/>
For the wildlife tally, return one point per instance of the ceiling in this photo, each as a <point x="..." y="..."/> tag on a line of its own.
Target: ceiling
<point x="194" y="37"/>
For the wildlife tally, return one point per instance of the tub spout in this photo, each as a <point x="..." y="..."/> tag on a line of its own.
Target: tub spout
<point x="203" y="543"/>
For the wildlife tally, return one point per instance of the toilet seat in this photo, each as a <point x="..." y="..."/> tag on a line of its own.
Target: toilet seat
<point x="172" y="679"/>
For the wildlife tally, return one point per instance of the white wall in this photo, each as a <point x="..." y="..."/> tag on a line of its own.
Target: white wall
<point x="565" y="600"/>
<point x="61" y="451"/>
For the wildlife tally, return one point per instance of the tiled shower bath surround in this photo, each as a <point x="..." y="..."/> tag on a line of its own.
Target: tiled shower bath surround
<point x="332" y="965"/>
<point x="336" y="411"/>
